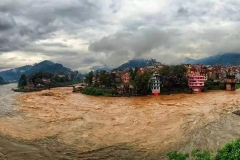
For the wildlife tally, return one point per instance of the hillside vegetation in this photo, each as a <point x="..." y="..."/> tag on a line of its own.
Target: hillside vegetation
<point x="138" y="63"/>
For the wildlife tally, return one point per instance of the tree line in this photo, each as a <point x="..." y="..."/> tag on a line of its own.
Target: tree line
<point x="55" y="80"/>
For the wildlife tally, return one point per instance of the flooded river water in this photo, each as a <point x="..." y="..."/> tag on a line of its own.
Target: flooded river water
<point x="7" y="99"/>
<point x="59" y="122"/>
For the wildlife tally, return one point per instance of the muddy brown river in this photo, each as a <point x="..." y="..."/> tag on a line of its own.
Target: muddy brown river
<point x="59" y="124"/>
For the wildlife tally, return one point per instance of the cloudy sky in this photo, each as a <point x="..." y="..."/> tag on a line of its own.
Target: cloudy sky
<point x="85" y="33"/>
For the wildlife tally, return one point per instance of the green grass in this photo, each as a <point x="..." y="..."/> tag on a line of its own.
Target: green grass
<point x="96" y="91"/>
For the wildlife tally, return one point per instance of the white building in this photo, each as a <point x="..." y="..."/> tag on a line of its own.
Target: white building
<point x="155" y="84"/>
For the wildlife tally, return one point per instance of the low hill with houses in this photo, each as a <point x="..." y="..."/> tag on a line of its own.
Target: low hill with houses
<point x="13" y="75"/>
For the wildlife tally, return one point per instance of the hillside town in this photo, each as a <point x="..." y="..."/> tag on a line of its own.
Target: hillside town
<point x="153" y="79"/>
<point x="198" y="76"/>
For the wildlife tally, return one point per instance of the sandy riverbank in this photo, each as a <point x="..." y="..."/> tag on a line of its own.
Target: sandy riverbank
<point x="141" y="127"/>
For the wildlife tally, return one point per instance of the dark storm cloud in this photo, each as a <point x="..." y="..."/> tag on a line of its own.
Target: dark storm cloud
<point x="142" y="41"/>
<point x="46" y="50"/>
<point x="184" y="29"/>
<point x="29" y="21"/>
<point x="6" y="22"/>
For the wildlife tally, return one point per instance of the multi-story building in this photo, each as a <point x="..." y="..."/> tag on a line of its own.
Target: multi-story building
<point x="155" y="84"/>
<point x="196" y="82"/>
<point x="230" y="82"/>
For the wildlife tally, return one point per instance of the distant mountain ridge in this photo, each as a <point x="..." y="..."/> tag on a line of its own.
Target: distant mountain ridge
<point x="44" y="66"/>
<point x="138" y="63"/>
<point x="98" y="68"/>
<point x="219" y="59"/>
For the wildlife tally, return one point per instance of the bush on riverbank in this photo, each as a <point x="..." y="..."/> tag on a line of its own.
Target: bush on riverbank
<point x="230" y="151"/>
<point x="237" y="86"/>
<point x="211" y="85"/>
<point x="96" y="91"/>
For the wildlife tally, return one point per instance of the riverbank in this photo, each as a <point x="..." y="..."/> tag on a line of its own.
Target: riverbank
<point x="144" y="127"/>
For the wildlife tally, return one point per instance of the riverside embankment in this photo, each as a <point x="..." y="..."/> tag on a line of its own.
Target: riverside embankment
<point x="127" y="128"/>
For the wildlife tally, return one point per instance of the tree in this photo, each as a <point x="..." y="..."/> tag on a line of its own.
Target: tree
<point x="113" y="80"/>
<point x="209" y="84"/>
<point x="174" y="78"/>
<point x="89" y="78"/>
<point x="22" y="81"/>
<point x="142" y="82"/>
<point x="103" y="78"/>
<point x="133" y="73"/>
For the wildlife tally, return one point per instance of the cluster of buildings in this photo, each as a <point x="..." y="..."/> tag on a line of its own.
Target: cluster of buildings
<point x="197" y="75"/>
<point x="124" y="77"/>
<point x="41" y="82"/>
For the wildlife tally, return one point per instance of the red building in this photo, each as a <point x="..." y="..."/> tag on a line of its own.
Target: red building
<point x="196" y="82"/>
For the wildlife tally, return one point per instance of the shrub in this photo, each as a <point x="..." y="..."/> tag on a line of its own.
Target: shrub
<point x="201" y="155"/>
<point x="94" y="91"/>
<point x="230" y="151"/>
<point x="177" y="156"/>
<point x="237" y="86"/>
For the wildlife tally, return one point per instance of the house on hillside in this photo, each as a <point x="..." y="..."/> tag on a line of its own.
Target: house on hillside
<point x="61" y="76"/>
<point x="141" y="70"/>
<point x="46" y="80"/>
<point x="126" y="77"/>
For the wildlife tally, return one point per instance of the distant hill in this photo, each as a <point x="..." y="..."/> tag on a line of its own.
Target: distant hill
<point x="219" y="59"/>
<point x="98" y="68"/>
<point x="44" y="66"/>
<point x="2" y="81"/>
<point x="138" y="63"/>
